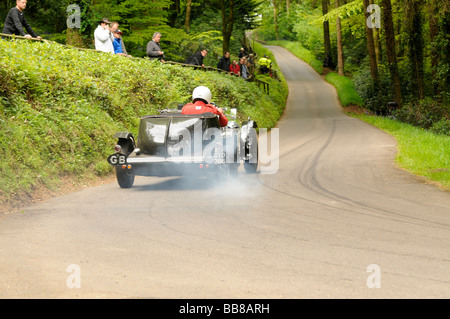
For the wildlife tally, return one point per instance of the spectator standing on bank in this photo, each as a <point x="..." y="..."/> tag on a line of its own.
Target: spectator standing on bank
<point x="234" y="67"/>
<point x="15" y="22"/>
<point x="154" y="50"/>
<point x="197" y="58"/>
<point x="244" y="68"/>
<point x="114" y="27"/>
<point x="251" y="64"/>
<point x="118" y="43"/>
<point x="103" y="37"/>
<point x="224" y="62"/>
<point x="242" y="53"/>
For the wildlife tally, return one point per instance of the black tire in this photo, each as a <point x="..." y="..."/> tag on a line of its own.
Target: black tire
<point x="124" y="180"/>
<point x="251" y="167"/>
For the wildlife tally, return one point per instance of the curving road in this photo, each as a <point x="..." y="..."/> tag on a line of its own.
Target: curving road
<point x="337" y="220"/>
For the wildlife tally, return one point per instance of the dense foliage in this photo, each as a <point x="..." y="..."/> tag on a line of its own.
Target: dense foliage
<point x="60" y="107"/>
<point x="413" y="55"/>
<point x="186" y="26"/>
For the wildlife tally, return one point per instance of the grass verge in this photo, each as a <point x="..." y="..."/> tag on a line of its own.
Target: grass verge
<point x="345" y="89"/>
<point x="419" y="151"/>
<point x="281" y="89"/>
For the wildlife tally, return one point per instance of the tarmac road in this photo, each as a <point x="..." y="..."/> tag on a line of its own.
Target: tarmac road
<point x="336" y="220"/>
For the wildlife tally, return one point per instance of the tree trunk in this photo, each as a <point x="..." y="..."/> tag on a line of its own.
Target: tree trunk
<point x="187" y="21"/>
<point x="227" y="24"/>
<point x="275" y="18"/>
<point x="376" y="41"/>
<point x="327" y="60"/>
<point x="416" y="45"/>
<point x="73" y="25"/>
<point x="288" y="5"/>
<point x="340" y="47"/>
<point x="73" y="38"/>
<point x="444" y="27"/>
<point x="434" y="32"/>
<point x="174" y="12"/>
<point x="371" y="48"/>
<point x="439" y="22"/>
<point x="390" y="50"/>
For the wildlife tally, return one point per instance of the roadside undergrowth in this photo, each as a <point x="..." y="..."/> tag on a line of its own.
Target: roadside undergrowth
<point x="60" y="107"/>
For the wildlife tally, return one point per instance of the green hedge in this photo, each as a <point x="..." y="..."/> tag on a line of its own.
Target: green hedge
<point x="60" y="107"/>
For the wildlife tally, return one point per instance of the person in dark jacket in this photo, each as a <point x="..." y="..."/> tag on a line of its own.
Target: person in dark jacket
<point x="154" y="50"/>
<point x="242" y="53"/>
<point x="197" y="58"/>
<point x="15" y="22"/>
<point x="224" y="62"/>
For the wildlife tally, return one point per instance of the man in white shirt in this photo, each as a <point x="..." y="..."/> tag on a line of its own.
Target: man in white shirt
<point x="103" y="37"/>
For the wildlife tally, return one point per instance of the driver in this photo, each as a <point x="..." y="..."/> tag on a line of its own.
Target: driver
<point x="201" y="99"/>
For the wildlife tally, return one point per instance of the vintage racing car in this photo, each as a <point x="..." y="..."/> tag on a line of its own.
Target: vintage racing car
<point x="174" y="144"/>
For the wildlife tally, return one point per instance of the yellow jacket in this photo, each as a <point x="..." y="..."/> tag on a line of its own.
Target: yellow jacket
<point x="265" y="62"/>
